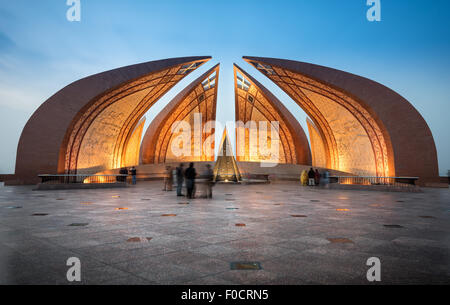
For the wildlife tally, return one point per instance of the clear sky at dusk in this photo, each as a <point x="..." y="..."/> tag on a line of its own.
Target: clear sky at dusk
<point x="41" y="51"/>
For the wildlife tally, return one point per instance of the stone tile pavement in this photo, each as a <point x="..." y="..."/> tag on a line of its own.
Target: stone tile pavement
<point x="298" y="235"/>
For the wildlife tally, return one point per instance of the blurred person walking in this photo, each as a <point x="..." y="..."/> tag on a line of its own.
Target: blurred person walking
<point x="124" y="172"/>
<point x="168" y="179"/>
<point x="326" y="179"/>
<point x="190" y="175"/>
<point x="180" y="179"/>
<point x="317" y="176"/>
<point x="133" y="173"/>
<point x="208" y="175"/>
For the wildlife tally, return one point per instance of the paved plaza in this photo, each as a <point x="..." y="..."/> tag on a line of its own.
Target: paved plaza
<point x="294" y="235"/>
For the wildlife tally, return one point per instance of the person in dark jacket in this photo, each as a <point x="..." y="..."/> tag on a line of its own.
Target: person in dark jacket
<point x="208" y="175"/>
<point x="190" y="175"/>
<point x="133" y="175"/>
<point x="311" y="177"/>
<point x="325" y="179"/>
<point x="123" y="171"/>
<point x="180" y="179"/>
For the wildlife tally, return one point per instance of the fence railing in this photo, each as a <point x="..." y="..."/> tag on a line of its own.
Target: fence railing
<point x="385" y="181"/>
<point x="82" y="179"/>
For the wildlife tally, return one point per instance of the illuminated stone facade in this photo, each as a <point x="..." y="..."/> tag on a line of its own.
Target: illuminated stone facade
<point x="254" y="103"/>
<point x="356" y="125"/>
<point x="108" y="124"/>
<point x="195" y="105"/>
<point x="86" y="127"/>
<point x="318" y="152"/>
<point x="366" y="128"/>
<point x="132" y="151"/>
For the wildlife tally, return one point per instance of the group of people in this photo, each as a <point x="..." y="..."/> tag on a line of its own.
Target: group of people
<point x="188" y="177"/>
<point x="315" y="178"/>
<point x="124" y="172"/>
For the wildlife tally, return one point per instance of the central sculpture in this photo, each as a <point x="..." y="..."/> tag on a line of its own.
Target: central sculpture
<point x="226" y="168"/>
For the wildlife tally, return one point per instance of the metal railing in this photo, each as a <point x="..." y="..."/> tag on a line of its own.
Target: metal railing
<point x="82" y="179"/>
<point x="374" y="181"/>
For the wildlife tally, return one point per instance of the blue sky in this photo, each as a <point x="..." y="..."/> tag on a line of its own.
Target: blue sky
<point x="41" y="52"/>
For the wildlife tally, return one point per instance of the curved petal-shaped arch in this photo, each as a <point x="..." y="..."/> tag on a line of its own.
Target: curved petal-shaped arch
<point x="318" y="151"/>
<point x="367" y="128"/>
<point x="255" y="103"/>
<point x="200" y="97"/>
<point x="133" y="146"/>
<point x="85" y="127"/>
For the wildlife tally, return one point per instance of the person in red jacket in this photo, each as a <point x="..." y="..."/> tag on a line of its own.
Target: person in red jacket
<point x="317" y="177"/>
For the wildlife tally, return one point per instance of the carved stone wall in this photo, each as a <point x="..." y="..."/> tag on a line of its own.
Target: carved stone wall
<point x="318" y="150"/>
<point x="254" y="103"/>
<point x="401" y="143"/>
<point x="101" y="135"/>
<point x="98" y="140"/>
<point x="353" y="140"/>
<point x="354" y="147"/>
<point x="198" y="100"/>
<point x="88" y="123"/>
<point x="132" y="151"/>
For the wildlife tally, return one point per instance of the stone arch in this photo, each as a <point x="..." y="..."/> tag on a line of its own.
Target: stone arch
<point x="85" y="127"/>
<point x="347" y="108"/>
<point x="200" y="97"/>
<point x="133" y="146"/>
<point x="255" y="103"/>
<point x="318" y="151"/>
